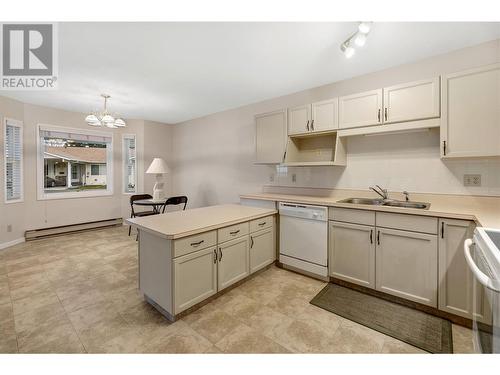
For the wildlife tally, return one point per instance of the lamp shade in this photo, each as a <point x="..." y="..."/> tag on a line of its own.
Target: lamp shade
<point x="158" y="166"/>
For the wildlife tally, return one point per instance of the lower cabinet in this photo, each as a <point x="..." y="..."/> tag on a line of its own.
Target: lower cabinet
<point x="352" y="253"/>
<point x="195" y="278"/>
<point x="234" y="261"/>
<point x="262" y="249"/>
<point x="224" y="260"/>
<point x="456" y="281"/>
<point x="406" y="265"/>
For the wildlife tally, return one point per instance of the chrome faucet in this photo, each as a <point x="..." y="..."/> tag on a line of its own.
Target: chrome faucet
<point x="382" y="192"/>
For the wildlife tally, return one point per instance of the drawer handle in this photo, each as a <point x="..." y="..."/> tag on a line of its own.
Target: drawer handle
<point x="378" y="237"/>
<point x="197" y="243"/>
<point x="215" y="256"/>
<point x="371" y="235"/>
<point x="261" y="224"/>
<point x="251" y="243"/>
<point x="220" y="254"/>
<point x="234" y="232"/>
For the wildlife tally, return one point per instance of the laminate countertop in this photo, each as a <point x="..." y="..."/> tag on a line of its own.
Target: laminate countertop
<point x="180" y="224"/>
<point x="485" y="211"/>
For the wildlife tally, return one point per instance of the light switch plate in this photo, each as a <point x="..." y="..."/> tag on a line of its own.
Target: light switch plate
<point x="472" y="180"/>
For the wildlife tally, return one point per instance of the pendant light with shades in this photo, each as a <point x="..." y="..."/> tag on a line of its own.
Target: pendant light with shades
<point x="105" y="118"/>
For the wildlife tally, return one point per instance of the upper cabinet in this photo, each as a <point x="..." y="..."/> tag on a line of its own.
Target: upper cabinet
<point x="470" y="122"/>
<point x="361" y="109"/>
<point x="401" y="103"/>
<point x="299" y="119"/>
<point x="411" y="101"/>
<point x="325" y="115"/>
<point x="311" y="118"/>
<point x="270" y="139"/>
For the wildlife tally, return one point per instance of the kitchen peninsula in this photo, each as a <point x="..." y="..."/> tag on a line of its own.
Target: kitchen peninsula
<point x="188" y="256"/>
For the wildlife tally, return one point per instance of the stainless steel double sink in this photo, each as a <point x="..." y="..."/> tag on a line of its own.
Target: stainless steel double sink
<point x="387" y="202"/>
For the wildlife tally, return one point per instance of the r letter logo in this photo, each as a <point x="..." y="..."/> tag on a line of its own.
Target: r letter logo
<point x="29" y="57"/>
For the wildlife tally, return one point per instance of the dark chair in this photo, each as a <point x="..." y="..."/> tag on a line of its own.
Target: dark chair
<point x="174" y="201"/>
<point x="134" y="198"/>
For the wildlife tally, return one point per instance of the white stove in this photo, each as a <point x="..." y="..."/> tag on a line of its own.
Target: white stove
<point x="483" y="257"/>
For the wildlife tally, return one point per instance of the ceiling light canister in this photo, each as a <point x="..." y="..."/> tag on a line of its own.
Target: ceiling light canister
<point x="364" y="27"/>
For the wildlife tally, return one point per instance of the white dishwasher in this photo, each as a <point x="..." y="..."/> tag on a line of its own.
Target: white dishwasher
<point x="304" y="237"/>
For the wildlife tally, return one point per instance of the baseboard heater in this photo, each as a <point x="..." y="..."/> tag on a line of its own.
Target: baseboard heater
<point x="64" y="229"/>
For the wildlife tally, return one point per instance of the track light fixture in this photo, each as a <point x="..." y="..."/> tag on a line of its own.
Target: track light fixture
<point x="357" y="39"/>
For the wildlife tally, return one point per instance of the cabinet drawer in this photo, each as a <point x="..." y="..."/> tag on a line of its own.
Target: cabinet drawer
<point x="350" y="215"/>
<point x="262" y="223"/>
<point x="412" y="223"/>
<point x="189" y="244"/>
<point x="234" y="231"/>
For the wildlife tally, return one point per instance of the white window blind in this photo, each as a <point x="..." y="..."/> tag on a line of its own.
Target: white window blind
<point x="13" y="161"/>
<point x="129" y="164"/>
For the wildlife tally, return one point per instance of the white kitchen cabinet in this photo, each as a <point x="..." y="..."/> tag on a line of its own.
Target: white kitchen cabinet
<point x="455" y="278"/>
<point x="270" y="137"/>
<point x="362" y="109"/>
<point x="470" y="121"/>
<point x="299" y="119"/>
<point x="352" y="253"/>
<point x="233" y="261"/>
<point x="195" y="278"/>
<point x="324" y="116"/>
<point x="412" y="101"/>
<point x="262" y="249"/>
<point x="406" y="265"/>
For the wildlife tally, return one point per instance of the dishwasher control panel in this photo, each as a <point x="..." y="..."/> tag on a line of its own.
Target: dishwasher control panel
<point x="319" y="213"/>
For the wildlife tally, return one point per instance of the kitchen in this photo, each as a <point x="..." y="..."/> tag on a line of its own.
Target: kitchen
<point x="272" y="188"/>
<point x="408" y="245"/>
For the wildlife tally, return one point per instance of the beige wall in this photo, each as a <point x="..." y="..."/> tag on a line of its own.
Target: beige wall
<point x="33" y="213"/>
<point x="214" y="154"/>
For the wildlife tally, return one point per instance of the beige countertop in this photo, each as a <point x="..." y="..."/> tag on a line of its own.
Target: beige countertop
<point x="180" y="224"/>
<point x="485" y="211"/>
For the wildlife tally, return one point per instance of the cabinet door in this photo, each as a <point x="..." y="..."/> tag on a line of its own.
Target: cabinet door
<point x="352" y="253"/>
<point x="195" y="277"/>
<point x="262" y="249"/>
<point x="299" y="119"/>
<point x="325" y="115"/>
<point x="412" y="101"/>
<point x="470" y="121"/>
<point x="406" y="265"/>
<point x="234" y="262"/>
<point x="361" y="109"/>
<point x="270" y="137"/>
<point x="455" y="278"/>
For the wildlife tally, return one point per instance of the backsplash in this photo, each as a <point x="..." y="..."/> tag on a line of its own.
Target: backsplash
<point x="408" y="161"/>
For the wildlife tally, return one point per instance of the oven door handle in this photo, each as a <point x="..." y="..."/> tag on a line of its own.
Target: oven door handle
<point x="479" y="275"/>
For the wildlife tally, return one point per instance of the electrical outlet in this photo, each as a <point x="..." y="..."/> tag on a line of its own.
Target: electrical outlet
<point x="294" y="177"/>
<point x="472" y="180"/>
<point x="9" y="227"/>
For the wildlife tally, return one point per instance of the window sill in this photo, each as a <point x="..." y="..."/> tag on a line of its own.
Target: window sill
<point x="14" y="201"/>
<point x="75" y="195"/>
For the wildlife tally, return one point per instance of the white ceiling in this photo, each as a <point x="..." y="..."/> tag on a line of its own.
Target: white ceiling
<point x="172" y="72"/>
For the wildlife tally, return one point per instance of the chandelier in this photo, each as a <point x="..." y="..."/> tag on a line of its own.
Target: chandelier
<point x="104" y="118"/>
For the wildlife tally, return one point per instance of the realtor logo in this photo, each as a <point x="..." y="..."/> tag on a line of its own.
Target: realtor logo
<point x="29" y="56"/>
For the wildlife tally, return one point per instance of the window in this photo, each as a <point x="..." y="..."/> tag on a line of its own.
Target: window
<point x="129" y="165"/>
<point x="94" y="170"/>
<point x="13" y="156"/>
<point x="73" y="163"/>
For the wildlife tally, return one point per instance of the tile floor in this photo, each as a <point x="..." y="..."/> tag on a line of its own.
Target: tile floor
<point x="78" y="293"/>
